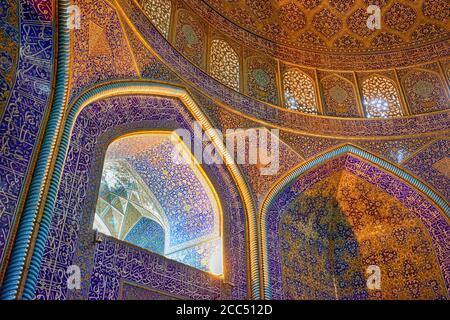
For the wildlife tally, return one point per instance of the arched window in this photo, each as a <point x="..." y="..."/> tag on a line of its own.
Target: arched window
<point x="225" y="63"/>
<point x="380" y="98"/>
<point x="153" y="201"/>
<point x="159" y="13"/>
<point x="299" y="92"/>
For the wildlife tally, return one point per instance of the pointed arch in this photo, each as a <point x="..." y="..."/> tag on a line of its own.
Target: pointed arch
<point x="224" y="63"/>
<point x="381" y="98"/>
<point x="137" y="184"/>
<point x="424" y="89"/>
<point x="419" y="195"/>
<point x="191" y="37"/>
<point x="144" y="88"/>
<point x="260" y="78"/>
<point x="339" y="95"/>
<point x="299" y="91"/>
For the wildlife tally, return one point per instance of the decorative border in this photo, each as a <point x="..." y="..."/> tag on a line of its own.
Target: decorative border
<point x="40" y="180"/>
<point x="141" y="88"/>
<point x="35" y="15"/>
<point x="295" y="173"/>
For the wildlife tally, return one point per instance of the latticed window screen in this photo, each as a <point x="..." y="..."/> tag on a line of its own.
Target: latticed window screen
<point x="380" y="98"/>
<point x="299" y="92"/>
<point x="224" y="63"/>
<point x="159" y="13"/>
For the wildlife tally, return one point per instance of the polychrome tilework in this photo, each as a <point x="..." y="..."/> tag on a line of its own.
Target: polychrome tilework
<point x="356" y="225"/>
<point x="424" y="90"/>
<point x="418" y="226"/>
<point x="132" y="292"/>
<point x="22" y="116"/>
<point x="104" y="265"/>
<point x="424" y="163"/>
<point x="191" y="37"/>
<point x="261" y="79"/>
<point x="339" y="97"/>
<point x="149" y="65"/>
<point x="9" y="47"/>
<point x="330" y="55"/>
<point x="286" y="157"/>
<point x="147" y="234"/>
<point x="394" y="150"/>
<point x="205" y="256"/>
<point x="99" y="48"/>
<point x="323" y="126"/>
<point x="180" y="191"/>
<point x="308" y="146"/>
<point x="116" y="262"/>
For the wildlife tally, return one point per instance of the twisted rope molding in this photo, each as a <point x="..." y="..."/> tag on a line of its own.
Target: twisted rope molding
<point x="288" y="179"/>
<point x="141" y="88"/>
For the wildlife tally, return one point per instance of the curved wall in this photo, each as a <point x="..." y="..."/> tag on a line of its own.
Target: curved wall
<point x="110" y="263"/>
<point x="25" y="110"/>
<point x="324" y="228"/>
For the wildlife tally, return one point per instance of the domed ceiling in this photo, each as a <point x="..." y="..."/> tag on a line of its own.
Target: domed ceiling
<point x="340" y="25"/>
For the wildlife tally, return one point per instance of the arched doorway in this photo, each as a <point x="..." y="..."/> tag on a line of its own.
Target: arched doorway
<point x="97" y="118"/>
<point x="328" y="223"/>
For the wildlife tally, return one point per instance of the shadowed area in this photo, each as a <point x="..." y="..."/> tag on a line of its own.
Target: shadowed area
<point x="331" y="233"/>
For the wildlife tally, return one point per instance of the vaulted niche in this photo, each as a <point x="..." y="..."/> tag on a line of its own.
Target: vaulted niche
<point x="149" y="198"/>
<point x="347" y="230"/>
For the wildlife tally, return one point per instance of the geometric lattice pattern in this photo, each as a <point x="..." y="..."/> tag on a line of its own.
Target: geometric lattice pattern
<point x="338" y="24"/>
<point x="299" y="92"/>
<point x="158" y="12"/>
<point x="380" y="98"/>
<point x="224" y="63"/>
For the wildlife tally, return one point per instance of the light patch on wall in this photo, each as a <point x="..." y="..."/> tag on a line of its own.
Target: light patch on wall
<point x="149" y="200"/>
